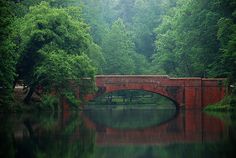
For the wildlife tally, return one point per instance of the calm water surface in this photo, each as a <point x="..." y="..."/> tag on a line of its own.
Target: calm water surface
<point x="118" y="133"/>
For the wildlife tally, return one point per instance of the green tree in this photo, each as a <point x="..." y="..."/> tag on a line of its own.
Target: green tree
<point x="62" y="3"/>
<point x="186" y="39"/>
<point x="44" y="36"/>
<point x="63" y="73"/>
<point x="139" y="16"/>
<point x="147" y="15"/>
<point x="226" y="63"/>
<point x="7" y="56"/>
<point x="125" y="10"/>
<point x="118" y="49"/>
<point x="99" y="14"/>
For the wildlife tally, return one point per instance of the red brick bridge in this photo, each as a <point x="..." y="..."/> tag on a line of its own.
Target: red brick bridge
<point x="191" y="93"/>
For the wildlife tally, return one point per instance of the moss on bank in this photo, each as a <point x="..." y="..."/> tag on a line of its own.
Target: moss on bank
<point x="226" y="104"/>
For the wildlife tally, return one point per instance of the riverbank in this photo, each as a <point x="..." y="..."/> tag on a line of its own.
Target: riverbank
<point x="37" y="102"/>
<point x="227" y="104"/>
<point x="18" y="105"/>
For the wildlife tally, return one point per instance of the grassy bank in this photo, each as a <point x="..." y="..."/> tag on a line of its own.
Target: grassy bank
<point x="226" y="104"/>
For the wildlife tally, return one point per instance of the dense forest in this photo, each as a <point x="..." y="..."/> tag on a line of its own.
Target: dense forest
<point x="54" y="42"/>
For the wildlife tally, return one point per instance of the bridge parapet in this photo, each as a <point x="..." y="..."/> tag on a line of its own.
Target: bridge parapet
<point x="142" y="79"/>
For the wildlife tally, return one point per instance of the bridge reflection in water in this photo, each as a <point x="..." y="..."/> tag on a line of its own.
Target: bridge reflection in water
<point x="75" y="134"/>
<point x="185" y="127"/>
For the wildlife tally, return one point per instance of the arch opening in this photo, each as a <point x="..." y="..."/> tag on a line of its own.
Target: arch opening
<point x="134" y="98"/>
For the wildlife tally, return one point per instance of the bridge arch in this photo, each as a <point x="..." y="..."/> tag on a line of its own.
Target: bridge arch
<point x="190" y="93"/>
<point x="160" y="92"/>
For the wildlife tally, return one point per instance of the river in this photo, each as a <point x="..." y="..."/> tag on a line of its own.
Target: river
<point x="118" y="132"/>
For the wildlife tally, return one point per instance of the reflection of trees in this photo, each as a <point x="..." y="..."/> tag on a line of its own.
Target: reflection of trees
<point x="6" y="138"/>
<point x="31" y="137"/>
<point x="54" y="146"/>
<point x="54" y="140"/>
<point x="131" y="118"/>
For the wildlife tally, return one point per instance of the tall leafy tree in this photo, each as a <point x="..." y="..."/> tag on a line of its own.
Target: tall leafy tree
<point x="99" y="14"/>
<point x="226" y="63"/>
<point x="147" y="15"/>
<point x="47" y="33"/>
<point x="118" y="50"/>
<point x="186" y="39"/>
<point x="125" y="10"/>
<point x="139" y="16"/>
<point x="7" y="56"/>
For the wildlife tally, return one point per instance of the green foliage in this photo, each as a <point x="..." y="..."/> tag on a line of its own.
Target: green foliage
<point x="96" y="55"/>
<point x="196" y="38"/>
<point x="59" y="68"/>
<point x="125" y="10"/>
<point x="227" y="36"/>
<point x="71" y="98"/>
<point x="49" y="102"/>
<point x="118" y="50"/>
<point x="6" y="18"/>
<point x="64" y="73"/>
<point x="7" y="55"/>
<point x="99" y="14"/>
<point x="227" y="104"/>
<point x="62" y="3"/>
<point x="147" y="15"/>
<point x="186" y="39"/>
<point x="54" y="141"/>
<point x="139" y="22"/>
<point x="7" y="73"/>
<point x="174" y="37"/>
<point x="142" y="65"/>
<point x="53" y="43"/>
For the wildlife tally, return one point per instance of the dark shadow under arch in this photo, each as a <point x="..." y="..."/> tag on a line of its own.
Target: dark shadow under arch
<point x="103" y="92"/>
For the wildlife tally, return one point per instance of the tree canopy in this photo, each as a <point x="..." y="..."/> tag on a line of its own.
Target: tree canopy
<point x="7" y="56"/>
<point x="118" y="50"/>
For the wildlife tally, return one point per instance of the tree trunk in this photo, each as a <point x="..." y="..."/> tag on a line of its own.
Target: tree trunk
<point x="29" y="95"/>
